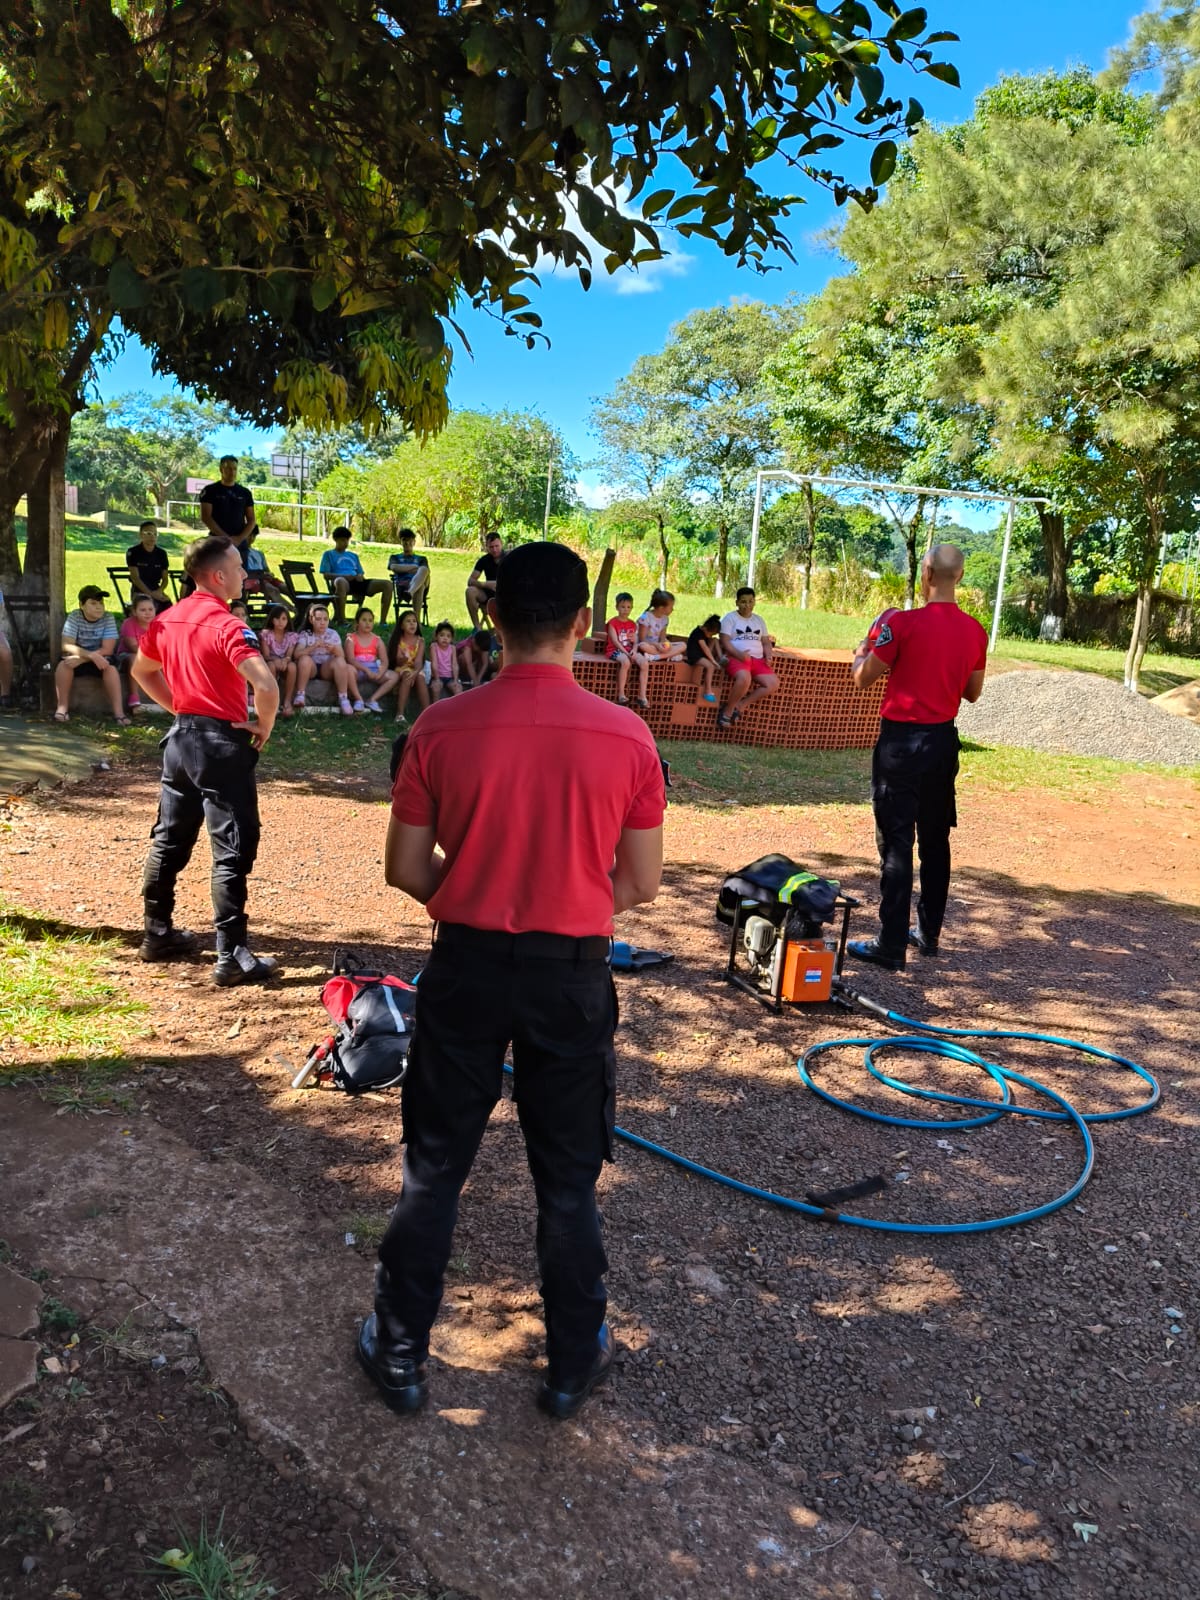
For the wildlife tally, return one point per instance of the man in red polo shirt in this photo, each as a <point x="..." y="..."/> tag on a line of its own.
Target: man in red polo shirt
<point x="524" y="917"/>
<point x="935" y="658"/>
<point x="196" y="660"/>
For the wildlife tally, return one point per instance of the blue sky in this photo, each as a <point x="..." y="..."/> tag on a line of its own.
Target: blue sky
<point x="596" y="336"/>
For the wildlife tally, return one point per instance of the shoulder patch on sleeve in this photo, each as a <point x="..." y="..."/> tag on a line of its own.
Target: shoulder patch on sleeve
<point x="250" y="637"/>
<point x="885" y="635"/>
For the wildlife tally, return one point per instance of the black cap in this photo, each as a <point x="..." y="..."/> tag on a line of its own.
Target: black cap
<point x="541" y="583"/>
<point x="90" y="592"/>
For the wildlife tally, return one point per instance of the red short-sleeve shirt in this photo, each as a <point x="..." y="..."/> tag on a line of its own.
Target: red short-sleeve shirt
<point x="932" y="653"/>
<point x="529" y="781"/>
<point x="200" y="644"/>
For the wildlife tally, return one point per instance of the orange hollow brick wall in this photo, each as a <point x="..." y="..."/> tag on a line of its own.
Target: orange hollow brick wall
<point x="816" y="707"/>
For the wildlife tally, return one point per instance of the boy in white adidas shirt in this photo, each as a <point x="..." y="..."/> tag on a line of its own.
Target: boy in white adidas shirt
<point x="747" y="647"/>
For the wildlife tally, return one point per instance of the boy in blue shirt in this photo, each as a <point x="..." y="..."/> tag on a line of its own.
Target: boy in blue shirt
<point x="345" y="571"/>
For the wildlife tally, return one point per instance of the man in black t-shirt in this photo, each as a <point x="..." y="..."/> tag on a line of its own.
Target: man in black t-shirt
<point x="226" y="507"/>
<point x="481" y="585"/>
<point x="148" y="567"/>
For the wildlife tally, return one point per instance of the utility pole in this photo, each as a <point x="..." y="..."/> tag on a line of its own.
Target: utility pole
<point x="549" y="489"/>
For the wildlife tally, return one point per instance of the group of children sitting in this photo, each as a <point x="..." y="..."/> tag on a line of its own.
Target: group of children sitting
<point x="362" y="668"/>
<point x="644" y="644"/>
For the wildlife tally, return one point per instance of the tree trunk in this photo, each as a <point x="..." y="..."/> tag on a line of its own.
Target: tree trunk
<point x="55" y="475"/>
<point x="722" y="556"/>
<point x="1054" y="544"/>
<point x="1139" y="638"/>
<point x="662" y="544"/>
<point x="810" y="507"/>
<point x="912" y="538"/>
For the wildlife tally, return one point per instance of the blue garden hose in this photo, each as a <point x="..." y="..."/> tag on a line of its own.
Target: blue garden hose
<point x="983" y="1112"/>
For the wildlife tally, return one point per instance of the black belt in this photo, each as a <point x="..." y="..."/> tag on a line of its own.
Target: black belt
<point x="192" y="719"/>
<point x="545" y="946"/>
<point x="891" y="725"/>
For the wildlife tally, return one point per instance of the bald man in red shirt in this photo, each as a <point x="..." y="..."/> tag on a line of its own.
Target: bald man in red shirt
<point x="524" y="815"/>
<point x="935" y="658"/>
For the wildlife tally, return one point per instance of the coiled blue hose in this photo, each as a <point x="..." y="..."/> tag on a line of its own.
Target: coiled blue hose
<point x="931" y="1039"/>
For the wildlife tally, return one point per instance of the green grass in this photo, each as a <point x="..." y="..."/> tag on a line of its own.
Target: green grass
<point x="719" y="776"/>
<point x="58" y="999"/>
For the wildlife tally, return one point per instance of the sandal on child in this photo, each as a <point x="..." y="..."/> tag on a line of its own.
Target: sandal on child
<point x="298" y="702"/>
<point x="123" y="722"/>
<point x="709" y="699"/>
<point x="622" y="700"/>
<point x="62" y="716"/>
<point x="724" y="720"/>
<point x="643" y="705"/>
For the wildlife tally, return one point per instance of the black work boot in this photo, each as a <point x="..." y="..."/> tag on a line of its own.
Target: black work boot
<point x="922" y="944"/>
<point x="564" y="1399"/>
<point x="242" y="966"/>
<point x="872" y="951"/>
<point x="162" y="942"/>
<point x="402" y="1383"/>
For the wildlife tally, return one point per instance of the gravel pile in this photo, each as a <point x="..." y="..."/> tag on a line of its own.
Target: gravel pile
<point x="1077" y="713"/>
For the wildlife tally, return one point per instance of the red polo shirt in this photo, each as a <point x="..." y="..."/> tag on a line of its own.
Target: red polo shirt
<point x="199" y="645"/>
<point x="529" y="781"/>
<point x="931" y="652"/>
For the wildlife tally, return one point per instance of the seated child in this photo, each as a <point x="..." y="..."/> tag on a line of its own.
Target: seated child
<point x="132" y="632"/>
<point x="366" y="656"/>
<point x="443" y="658"/>
<point x="278" y="644"/>
<point x="89" y="638"/>
<point x="240" y="610"/>
<point x="704" y="651"/>
<point x="406" y="657"/>
<point x="319" y="655"/>
<point x="475" y="657"/>
<point x="621" y="646"/>
<point x="652" y="630"/>
<point x="259" y="578"/>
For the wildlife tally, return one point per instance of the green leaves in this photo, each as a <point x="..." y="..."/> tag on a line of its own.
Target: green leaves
<point x="883" y="162"/>
<point x="125" y="287"/>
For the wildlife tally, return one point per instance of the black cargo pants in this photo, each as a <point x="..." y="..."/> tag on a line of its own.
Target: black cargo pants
<point x="912" y="791"/>
<point x="207" y="777"/>
<point x="552" y="998"/>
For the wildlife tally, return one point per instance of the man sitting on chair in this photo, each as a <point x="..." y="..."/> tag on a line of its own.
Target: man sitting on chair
<point x="410" y="574"/>
<point x="481" y="585"/>
<point x="345" y="569"/>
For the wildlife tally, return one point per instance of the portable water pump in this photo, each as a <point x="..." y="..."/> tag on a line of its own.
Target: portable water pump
<point x="778" y="948"/>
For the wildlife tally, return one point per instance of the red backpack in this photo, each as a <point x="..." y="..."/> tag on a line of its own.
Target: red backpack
<point x="369" y="1049"/>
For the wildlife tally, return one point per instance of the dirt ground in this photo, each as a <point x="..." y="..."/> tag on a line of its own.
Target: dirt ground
<point x="1006" y="1414"/>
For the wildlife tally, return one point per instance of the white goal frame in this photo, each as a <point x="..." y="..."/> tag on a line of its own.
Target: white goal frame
<point x="913" y="490"/>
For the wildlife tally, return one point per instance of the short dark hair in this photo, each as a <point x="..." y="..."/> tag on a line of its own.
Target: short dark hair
<point x="624" y="595"/>
<point x="224" y="459"/>
<point x="205" y="554"/>
<point x="406" y="533"/>
<point x="149" y="523"/>
<point x="540" y="589"/>
<point x="744" y="591"/>
<point x="444" y="623"/>
<point x="341" y="533"/>
<point x="494" y="536"/>
<point x="138" y="600"/>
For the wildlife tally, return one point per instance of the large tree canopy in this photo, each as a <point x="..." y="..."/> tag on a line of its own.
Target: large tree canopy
<point x="286" y="201"/>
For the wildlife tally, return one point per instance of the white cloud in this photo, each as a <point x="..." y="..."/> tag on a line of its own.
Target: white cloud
<point x="596" y="495"/>
<point x="646" y="279"/>
<point x="650" y="277"/>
